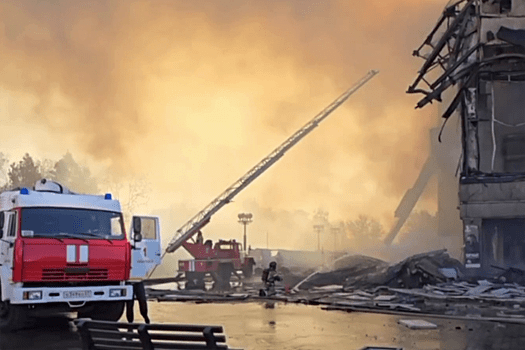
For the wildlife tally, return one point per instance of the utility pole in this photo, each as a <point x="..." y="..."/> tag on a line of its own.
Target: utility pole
<point x="245" y="219"/>
<point x="335" y="232"/>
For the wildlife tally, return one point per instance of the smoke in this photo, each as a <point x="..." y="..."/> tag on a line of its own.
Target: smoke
<point x="191" y="94"/>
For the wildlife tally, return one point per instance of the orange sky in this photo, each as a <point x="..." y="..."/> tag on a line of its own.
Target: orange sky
<point x="190" y="95"/>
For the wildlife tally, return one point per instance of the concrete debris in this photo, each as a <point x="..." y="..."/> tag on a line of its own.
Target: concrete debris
<point x="413" y="272"/>
<point x="417" y="324"/>
<point x="330" y="288"/>
<point x="345" y="267"/>
<point x="511" y="275"/>
<point x="385" y="298"/>
<point x="476" y="290"/>
<point x="449" y="273"/>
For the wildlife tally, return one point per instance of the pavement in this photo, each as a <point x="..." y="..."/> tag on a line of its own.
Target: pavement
<point x="277" y="325"/>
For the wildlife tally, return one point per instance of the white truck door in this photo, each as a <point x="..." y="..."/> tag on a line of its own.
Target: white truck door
<point x="146" y="245"/>
<point x="7" y="242"/>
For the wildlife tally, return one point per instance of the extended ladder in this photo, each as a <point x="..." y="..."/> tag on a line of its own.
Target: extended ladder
<point x="203" y="217"/>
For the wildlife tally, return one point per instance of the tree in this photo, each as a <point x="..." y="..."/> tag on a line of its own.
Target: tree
<point x="3" y="172"/>
<point x="132" y="193"/>
<point x="138" y="194"/>
<point x="74" y="176"/>
<point x="25" y="173"/>
<point x="365" y="230"/>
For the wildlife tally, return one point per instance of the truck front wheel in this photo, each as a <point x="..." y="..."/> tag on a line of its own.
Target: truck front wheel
<point x="195" y="280"/>
<point x="247" y="271"/>
<point x="222" y="276"/>
<point x="104" y="311"/>
<point x="12" y="317"/>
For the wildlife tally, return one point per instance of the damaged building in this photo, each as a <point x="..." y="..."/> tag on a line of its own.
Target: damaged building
<point x="474" y="62"/>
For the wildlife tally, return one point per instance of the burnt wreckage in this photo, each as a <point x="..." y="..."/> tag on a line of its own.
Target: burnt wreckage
<point x="478" y="47"/>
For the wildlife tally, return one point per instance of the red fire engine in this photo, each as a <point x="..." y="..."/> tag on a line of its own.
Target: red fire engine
<point x="220" y="261"/>
<point x="67" y="252"/>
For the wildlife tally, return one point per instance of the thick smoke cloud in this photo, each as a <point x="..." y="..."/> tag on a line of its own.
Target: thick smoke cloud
<point x="192" y="94"/>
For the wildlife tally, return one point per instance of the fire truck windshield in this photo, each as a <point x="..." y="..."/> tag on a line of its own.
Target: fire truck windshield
<point x="64" y="222"/>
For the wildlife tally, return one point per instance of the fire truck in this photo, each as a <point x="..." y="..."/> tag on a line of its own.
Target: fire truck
<point x="64" y="252"/>
<point x="225" y="258"/>
<point x="220" y="261"/>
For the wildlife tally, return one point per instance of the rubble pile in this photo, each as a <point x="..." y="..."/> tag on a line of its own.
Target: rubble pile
<point x="348" y="266"/>
<point x="414" y="272"/>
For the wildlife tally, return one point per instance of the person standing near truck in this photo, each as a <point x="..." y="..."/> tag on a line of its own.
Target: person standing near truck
<point x="139" y="293"/>
<point x="269" y="277"/>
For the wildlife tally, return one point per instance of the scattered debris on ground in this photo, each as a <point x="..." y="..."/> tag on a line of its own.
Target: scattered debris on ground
<point x="423" y="284"/>
<point x="417" y="324"/>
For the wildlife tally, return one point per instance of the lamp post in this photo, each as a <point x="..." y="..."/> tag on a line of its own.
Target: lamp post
<point x="335" y="232"/>
<point x="319" y="229"/>
<point x="245" y="219"/>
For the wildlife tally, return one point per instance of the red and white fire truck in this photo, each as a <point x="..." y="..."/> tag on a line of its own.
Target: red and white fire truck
<point x="67" y="252"/>
<point x="220" y="261"/>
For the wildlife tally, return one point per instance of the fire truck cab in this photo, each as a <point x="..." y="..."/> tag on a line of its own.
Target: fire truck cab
<point x="67" y="252"/>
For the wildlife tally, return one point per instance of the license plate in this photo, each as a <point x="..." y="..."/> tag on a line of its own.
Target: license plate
<point x="77" y="294"/>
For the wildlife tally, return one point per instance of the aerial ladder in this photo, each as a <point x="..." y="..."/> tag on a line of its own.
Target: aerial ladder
<point x="196" y="223"/>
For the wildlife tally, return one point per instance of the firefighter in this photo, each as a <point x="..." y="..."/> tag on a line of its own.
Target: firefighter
<point x="269" y="277"/>
<point x="200" y="239"/>
<point x="139" y="293"/>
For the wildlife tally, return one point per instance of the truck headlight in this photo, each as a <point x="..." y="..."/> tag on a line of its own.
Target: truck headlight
<point x="33" y="295"/>
<point x="115" y="293"/>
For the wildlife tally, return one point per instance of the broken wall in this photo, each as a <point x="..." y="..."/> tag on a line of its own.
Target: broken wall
<point x="480" y="48"/>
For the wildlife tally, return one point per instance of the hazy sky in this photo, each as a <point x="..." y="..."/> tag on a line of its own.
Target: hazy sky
<point x="191" y="94"/>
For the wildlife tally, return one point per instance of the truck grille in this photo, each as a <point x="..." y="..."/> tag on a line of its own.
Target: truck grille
<point x="63" y="275"/>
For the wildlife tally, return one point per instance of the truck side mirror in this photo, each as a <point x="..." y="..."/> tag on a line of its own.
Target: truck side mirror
<point x="2" y="221"/>
<point x="137" y="227"/>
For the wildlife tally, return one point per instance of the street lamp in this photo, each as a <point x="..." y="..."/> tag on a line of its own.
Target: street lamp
<point x="335" y="232"/>
<point x="245" y="219"/>
<point x="319" y="229"/>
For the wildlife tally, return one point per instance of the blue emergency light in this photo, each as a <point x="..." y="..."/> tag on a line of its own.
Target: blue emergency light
<point x="24" y="190"/>
<point x="107" y="196"/>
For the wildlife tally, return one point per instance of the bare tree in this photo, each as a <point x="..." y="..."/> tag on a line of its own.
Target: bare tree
<point x="138" y="194"/>
<point x="132" y="193"/>
<point x="365" y="230"/>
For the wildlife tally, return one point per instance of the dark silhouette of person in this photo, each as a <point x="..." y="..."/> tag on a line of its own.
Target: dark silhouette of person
<point x="200" y="239"/>
<point x="139" y="293"/>
<point x="269" y="277"/>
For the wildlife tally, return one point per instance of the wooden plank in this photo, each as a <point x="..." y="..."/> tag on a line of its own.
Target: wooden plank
<point x="184" y="337"/>
<point x="113" y="347"/>
<point x="105" y="333"/>
<point x="109" y="324"/>
<point x="181" y="328"/>
<point x="131" y="344"/>
<point x="184" y="346"/>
